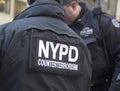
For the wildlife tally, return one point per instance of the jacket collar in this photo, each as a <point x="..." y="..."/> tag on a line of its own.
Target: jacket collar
<point x="82" y="18"/>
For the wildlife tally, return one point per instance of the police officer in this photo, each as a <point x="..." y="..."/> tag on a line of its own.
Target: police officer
<point x="101" y="33"/>
<point x="39" y="52"/>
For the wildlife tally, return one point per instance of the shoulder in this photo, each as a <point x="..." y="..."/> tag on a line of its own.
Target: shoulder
<point x="103" y="17"/>
<point x="108" y="19"/>
<point x="99" y="13"/>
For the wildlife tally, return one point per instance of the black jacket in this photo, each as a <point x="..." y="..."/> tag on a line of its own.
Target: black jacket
<point x="39" y="52"/>
<point x="101" y="32"/>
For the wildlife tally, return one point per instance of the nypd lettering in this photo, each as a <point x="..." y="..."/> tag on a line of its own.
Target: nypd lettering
<point x="55" y="57"/>
<point x="62" y="49"/>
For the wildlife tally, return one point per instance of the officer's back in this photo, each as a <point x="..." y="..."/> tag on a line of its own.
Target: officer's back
<point x="38" y="52"/>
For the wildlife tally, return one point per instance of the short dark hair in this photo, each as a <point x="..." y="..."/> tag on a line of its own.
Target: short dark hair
<point x="62" y="2"/>
<point x="30" y="1"/>
<point x="65" y="2"/>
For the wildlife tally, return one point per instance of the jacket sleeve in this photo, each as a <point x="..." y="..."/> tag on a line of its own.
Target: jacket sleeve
<point x="111" y="31"/>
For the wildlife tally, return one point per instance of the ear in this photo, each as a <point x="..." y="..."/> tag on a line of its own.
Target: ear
<point x="74" y="5"/>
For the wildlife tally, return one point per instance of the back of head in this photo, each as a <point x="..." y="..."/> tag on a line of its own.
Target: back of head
<point x="48" y="7"/>
<point x="62" y="2"/>
<point x="30" y="1"/>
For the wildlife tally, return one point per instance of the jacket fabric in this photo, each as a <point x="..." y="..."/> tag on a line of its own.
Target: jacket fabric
<point x="101" y="33"/>
<point x="39" y="52"/>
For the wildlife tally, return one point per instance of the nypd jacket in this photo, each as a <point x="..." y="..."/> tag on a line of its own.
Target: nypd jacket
<point x="101" y="32"/>
<point x="39" y="52"/>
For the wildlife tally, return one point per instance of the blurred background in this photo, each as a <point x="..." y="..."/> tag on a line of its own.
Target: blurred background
<point x="10" y="8"/>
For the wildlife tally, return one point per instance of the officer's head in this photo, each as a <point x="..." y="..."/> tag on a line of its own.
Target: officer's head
<point x="71" y="10"/>
<point x="59" y="1"/>
<point x="30" y="1"/>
